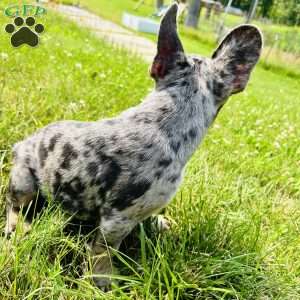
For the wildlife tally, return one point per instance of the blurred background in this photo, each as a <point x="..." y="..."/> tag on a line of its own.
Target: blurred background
<point x="208" y="21"/>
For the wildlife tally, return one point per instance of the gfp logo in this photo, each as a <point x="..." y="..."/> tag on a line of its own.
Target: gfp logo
<point x="24" y="11"/>
<point x="24" y="29"/>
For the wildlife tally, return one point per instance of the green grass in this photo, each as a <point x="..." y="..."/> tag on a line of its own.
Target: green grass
<point x="237" y="215"/>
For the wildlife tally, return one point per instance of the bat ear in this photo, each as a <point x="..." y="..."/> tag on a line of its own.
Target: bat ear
<point x="237" y="55"/>
<point x="168" y="44"/>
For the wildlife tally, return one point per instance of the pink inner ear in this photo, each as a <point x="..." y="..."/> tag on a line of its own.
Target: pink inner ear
<point x="241" y="77"/>
<point x="158" y="68"/>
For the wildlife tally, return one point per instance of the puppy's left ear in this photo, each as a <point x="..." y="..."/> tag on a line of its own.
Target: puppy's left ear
<point x="168" y="44"/>
<point x="236" y="56"/>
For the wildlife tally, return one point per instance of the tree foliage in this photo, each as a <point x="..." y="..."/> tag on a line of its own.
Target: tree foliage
<point x="286" y="11"/>
<point x="282" y="11"/>
<point x="265" y="8"/>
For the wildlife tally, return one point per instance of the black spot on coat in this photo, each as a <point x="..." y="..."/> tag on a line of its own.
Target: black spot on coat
<point x="175" y="145"/>
<point x="218" y="88"/>
<point x="70" y="194"/>
<point x="165" y="110"/>
<point x="142" y="157"/>
<point x="92" y="169"/>
<point x="28" y="160"/>
<point x="86" y="154"/>
<point x="158" y="174"/>
<point x="68" y="155"/>
<point x="171" y="84"/>
<point x="43" y="154"/>
<point x="129" y="192"/>
<point x="148" y="145"/>
<point x="184" y="83"/>
<point x="53" y="141"/>
<point x="209" y="85"/>
<point x="107" y="174"/>
<point x="183" y="64"/>
<point x="73" y="189"/>
<point x="114" y="138"/>
<point x="165" y="162"/>
<point x="193" y="133"/>
<point x="119" y="151"/>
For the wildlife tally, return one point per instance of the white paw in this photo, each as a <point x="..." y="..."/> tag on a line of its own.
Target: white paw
<point x="11" y="227"/>
<point x="161" y="223"/>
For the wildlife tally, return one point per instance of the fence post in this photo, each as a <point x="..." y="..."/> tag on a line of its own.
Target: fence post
<point x="252" y="10"/>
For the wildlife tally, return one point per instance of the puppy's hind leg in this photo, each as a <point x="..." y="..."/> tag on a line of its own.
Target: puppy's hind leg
<point x="21" y="191"/>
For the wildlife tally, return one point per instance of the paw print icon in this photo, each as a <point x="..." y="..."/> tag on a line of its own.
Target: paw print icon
<point x="24" y="32"/>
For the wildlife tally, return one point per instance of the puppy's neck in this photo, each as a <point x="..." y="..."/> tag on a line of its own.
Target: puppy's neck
<point x="183" y="114"/>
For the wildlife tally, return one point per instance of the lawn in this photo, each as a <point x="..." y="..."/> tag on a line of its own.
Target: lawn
<point x="237" y="215"/>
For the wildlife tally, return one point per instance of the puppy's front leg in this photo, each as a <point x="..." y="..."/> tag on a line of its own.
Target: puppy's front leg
<point x="102" y="266"/>
<point x="11" y="219"/>
<point x="112" y="230"/>
<point x="12" y="215"/>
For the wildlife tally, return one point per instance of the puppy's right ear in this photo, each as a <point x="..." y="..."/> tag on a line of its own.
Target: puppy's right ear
<point x="168" y="44"/>
<point x="237" y="55"/>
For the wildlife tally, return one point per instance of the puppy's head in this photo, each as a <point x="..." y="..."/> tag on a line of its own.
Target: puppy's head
<point x="225" y="73"/>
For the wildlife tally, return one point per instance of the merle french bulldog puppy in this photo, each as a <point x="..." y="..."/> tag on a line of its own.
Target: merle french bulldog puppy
<point x="120" y="171"/>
